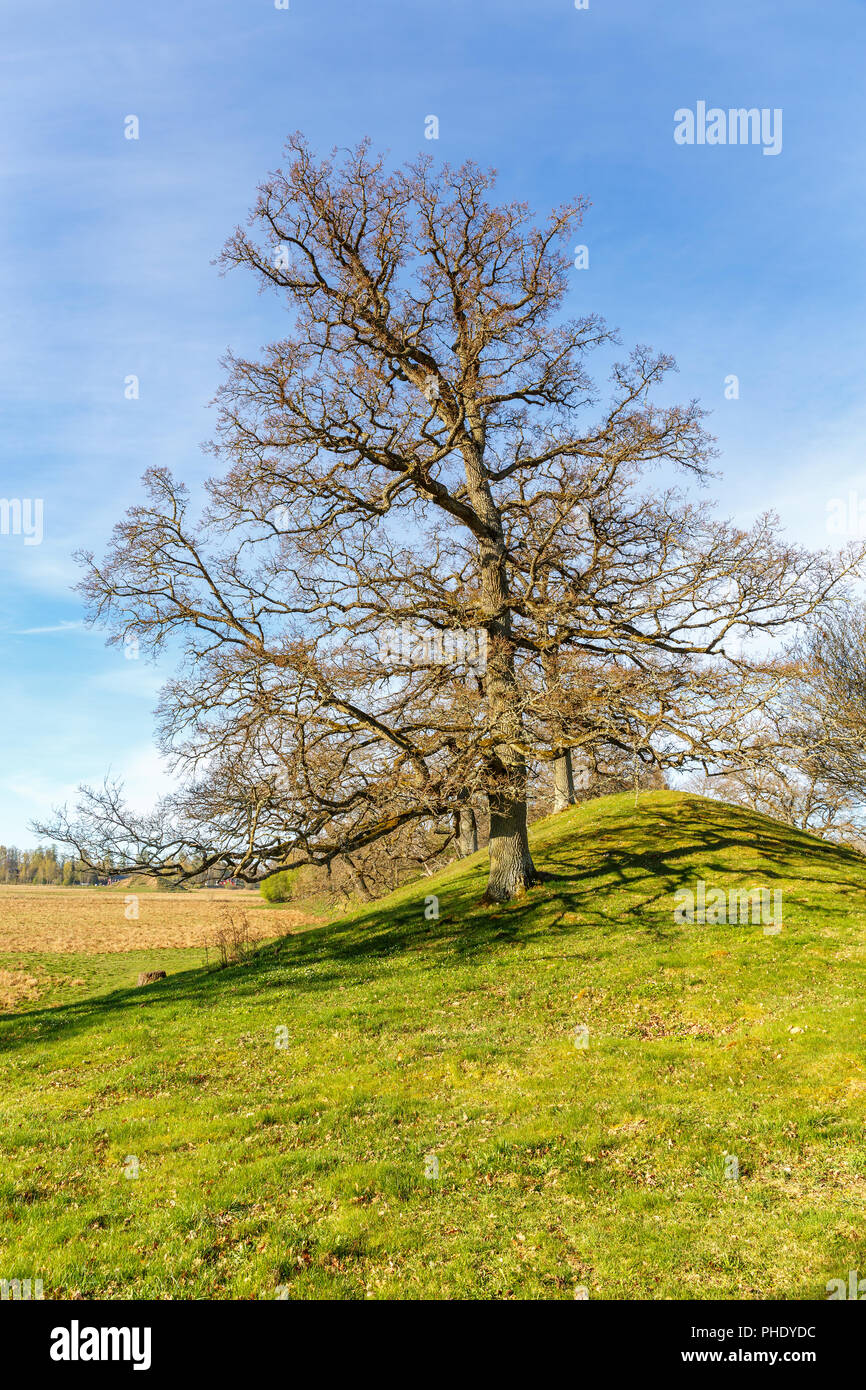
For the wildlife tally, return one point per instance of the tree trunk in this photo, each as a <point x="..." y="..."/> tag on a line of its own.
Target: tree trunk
<point x="511" y="868"/>
<point x="358" y="880"/>
<point x="467" y="831"/>
<point x="563" y="781"/>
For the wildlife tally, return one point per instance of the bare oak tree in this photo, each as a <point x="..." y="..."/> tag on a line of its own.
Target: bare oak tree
<point x="414" y="454"/>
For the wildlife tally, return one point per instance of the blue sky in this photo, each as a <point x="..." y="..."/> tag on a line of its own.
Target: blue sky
<point x="734" y="261"/>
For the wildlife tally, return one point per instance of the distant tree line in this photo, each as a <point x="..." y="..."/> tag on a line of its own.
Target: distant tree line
<point x="42" y="866"/>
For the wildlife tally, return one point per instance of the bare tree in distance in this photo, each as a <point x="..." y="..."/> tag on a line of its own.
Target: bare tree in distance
<point x="807" y="764"/>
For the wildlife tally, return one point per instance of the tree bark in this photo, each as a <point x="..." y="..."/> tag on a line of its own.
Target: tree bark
<point x="563" y="781"/>
<point x="511" y="868"/>
<point x="358" y="880"/>
<point x="467" y="831"/>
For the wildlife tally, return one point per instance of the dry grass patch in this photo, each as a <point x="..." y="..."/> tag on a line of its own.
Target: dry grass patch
<point x="17" y="987"/>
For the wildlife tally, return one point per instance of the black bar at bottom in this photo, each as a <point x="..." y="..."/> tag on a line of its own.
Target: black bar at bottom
<point x="84" y="1340"/>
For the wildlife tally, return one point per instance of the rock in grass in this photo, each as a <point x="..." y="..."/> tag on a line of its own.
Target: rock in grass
<point x="147" y="977"/>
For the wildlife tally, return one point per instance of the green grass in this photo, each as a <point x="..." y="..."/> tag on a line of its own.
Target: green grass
<point x="303" y="1169"/>
<point x="70" y="977"/>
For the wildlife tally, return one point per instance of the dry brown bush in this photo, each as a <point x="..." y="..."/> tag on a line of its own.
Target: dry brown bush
<point x="232" y="938"/>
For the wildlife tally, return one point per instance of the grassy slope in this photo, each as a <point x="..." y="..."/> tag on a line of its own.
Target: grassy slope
<point x="559" y="1166"/>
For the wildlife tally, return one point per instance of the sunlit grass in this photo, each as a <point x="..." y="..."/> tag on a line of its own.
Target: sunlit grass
<point x="304" y="1168"/>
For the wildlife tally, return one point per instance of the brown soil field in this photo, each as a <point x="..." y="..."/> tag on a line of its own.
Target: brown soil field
<point x="94" y="919"/>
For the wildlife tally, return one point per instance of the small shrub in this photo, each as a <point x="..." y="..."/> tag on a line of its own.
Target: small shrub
<point x="279" y="887"/>
<point x="232" y="939"/>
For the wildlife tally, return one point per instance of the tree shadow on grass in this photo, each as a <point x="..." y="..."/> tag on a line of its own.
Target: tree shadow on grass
<point x="599" y="875"/>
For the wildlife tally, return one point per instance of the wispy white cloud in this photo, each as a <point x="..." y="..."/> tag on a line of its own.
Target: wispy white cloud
<point x="70" y="626"/>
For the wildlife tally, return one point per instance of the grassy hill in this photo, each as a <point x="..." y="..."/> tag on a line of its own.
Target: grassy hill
<point x="306" y="1168"/>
